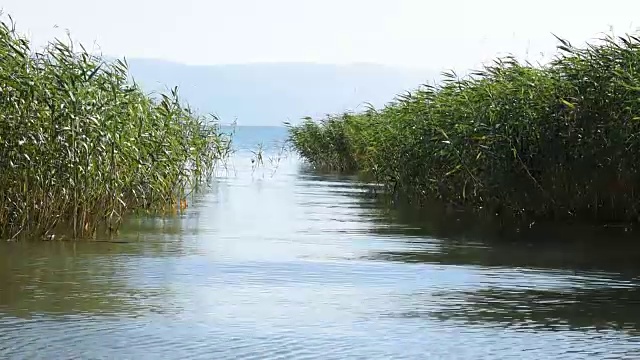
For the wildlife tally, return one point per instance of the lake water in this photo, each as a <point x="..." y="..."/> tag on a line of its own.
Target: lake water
<point x="283" y="263"/>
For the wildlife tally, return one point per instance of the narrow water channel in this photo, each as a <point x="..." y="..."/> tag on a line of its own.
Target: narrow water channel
<point x="288" y="264"/>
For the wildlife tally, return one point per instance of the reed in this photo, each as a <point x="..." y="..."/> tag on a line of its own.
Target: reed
<point x="557" y="141"/>
<point x="81" y="145"/>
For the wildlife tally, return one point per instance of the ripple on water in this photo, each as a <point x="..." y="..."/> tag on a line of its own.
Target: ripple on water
<point x="302" y="266"/>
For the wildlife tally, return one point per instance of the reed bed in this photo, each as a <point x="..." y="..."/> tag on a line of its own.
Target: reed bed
<point x="81" y="145"/>
<point x="558" y="141"/>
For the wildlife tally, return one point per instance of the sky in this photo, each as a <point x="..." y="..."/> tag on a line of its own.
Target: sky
<point x="451" y="34"/>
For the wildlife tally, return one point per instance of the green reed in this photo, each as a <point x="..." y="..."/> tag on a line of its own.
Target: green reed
<point x="81" y="145"/>
<point x="558" y="141"/>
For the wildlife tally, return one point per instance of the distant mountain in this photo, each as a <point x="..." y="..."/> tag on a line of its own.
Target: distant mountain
<point x="270" y="94"/>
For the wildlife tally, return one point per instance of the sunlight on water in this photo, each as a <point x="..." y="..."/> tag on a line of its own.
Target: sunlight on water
<point x="292" y="264"/>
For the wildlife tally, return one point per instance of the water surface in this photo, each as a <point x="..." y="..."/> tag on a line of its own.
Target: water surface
<point x="283" y="263"/>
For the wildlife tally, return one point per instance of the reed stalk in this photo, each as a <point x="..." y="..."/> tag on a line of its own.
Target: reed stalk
<point x="81" y="145"/>
<point x="558" y="141"/>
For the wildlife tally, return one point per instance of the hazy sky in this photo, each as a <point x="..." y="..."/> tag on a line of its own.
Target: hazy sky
<point x="417" y="33"/>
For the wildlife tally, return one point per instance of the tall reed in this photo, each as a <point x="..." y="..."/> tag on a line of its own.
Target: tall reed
<point x="81" y="145"/>
<point x="559" y="141"/>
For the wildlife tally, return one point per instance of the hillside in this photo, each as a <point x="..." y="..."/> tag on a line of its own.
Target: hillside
<point x="269" y="94"/>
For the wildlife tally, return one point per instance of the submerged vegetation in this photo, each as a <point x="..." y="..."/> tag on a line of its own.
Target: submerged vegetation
<point x="556" y="142"/>
<point x="81" y="145"/>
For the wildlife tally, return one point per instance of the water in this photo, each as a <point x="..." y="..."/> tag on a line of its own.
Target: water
<point x="289" y="264"/>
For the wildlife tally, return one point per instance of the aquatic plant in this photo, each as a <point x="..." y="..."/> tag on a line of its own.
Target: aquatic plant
<point x="81" y="145"/>
<point x="558" y="141"/>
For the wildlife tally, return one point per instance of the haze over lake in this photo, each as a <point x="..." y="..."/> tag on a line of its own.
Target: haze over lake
<point x="270" y="94"/>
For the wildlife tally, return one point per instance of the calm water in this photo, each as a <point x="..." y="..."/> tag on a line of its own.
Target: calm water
<point x="288" y="264"/>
